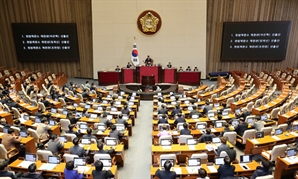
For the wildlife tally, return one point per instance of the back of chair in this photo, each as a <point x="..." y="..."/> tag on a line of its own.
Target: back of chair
<point x="278" y="150"/>
<point x="3" y="152"/>
<point x="202" y="156"/>
<point x="43" y="155"/>
<point x="70" y="137"/>
<point x="284" y="127"/>
<point x="266" y="177"/>
<point x="183" y="138"/>
<point x="16" y="130"/>
<point x="231" y="137"/>
<point x="64" y="124"/>
<point x="33" y="134"/>
<point x="267" y="130"/>
<point x="69" y="157"/>
<point x="101" y="156"/>
<point x="248" y="134"/>
<point x="164" y="137"/>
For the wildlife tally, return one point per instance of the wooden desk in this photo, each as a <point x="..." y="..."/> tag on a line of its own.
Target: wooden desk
<point x="7" y="116"/>
<point x="256" y="146"/>
<point x="195" y="91"/>
<point x="284" y="167"/>
<point x="29" y="143"/>
<point x="58" y="171"/>
<point x="212" y="175"/>
<point x="289" y="117"/>
<point x="55" y="129"/>
<point x="119" y="151"/>
<point x="221" y="82"/>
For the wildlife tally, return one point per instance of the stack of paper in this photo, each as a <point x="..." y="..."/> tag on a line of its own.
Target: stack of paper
<point x="25" y="164"/>
<point x="177" y="170"/>
<point x="276" y="138"/>
<point x="212" y="169"/>
<point x="167" y="147"/>
<point x="192" y="170"/>
<point x="47" y="166"/>
<point x="83" y="169"/>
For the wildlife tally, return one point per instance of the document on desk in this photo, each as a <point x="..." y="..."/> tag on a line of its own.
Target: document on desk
<point x="191" y="147"/>
<point x="276" y="138"/>
<point x="167" y="147"/>
<point x="47" y="166"/>
<point x="294" y="133"/>
<point x="213" y="130"/>
<point x="291" y="160"/>
<point x="212" y="169"/>
<point x="255" y="141"/>
<point x="99" y="132"/>
<point x="209" y="147"/>
<point x="83" y="169"/>
<point x="192" y="170"/>
<point x="197" y="120"/>
<point x="25" y="164"/>
<point x="177" y="170"/>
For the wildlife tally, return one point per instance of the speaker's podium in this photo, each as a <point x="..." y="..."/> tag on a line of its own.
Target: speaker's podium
<point x="146" y="71"/>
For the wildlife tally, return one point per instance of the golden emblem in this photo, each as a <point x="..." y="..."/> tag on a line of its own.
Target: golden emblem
<point x="149" y="22"/>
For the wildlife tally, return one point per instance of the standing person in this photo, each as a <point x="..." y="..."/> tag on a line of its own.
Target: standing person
<point x="87" y="85"/>
<point x="226" y="170"/>
<point x="169" y="65"/>
<point x="167" y="173"/>
<point x="98" y="173"/>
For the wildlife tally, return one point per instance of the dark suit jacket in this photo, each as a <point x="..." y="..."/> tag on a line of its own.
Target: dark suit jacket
<point x="184" y="132"/>
<point x="77" y="150"/>
<point x="31" y="176"/>
<point x="105" y="151"/>
<point x="54" y="146"/>
<point x="206" y="137"/>
<point x="7" y="174"/>
<point x="241" y="128"/>
<point x="72" y="174"/>
<point x="222" y="147"/>
<point x="163" y="111"/>
<point x="226" y="171"/>
<point x="206" y="109"/>
<point x="104" y="174"/>
<point x="195" y="112"/>
<point x="179" y="120"/>
<point x="165" y="174"/>
<point x="162" y="121"/>
<point x="176" y="111"/>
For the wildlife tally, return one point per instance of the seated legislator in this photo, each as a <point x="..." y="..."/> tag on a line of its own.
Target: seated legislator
<point x="195" y="111"/>
<point x="78" y="150"/>
<point x="120" y="120"/>
<point x="71" y="131"/>
<point x="164" y="132"/>
<point x="102" y="151"/>
<point x="45" y="102"/>
<point x="167" y="173"/>
<point x="196" y="69"/>
<point x="162" y="120"/>
<point x="224" y="146"/>
<point x="202" y="174"/>
<point x="226" y="129"/>
<point x="188" y="68"/>
<point x="169" y="65"/>
<point x="70" y="173"/>
<point x="4" y="123"/>
<point x="105" y="120"/>
<point x="125" y="110"/>
<point x="176" y="110"/>
<point x="115" y="133"/>
<point x="206" y="137"/>
<point x="264" y="169"/>
<point x="128" y="65"/>
<point x="43" y="128"/>
<point x="98" y="173"/>
<point x="89" y="134"/>
<point x="148" y="61"/>
<point x="258" y="124"/>
<point x="163" y="110"/>
<point x="54" y="145"/>
<point x="4" y="172"/>
<point x="241" y="127"/>
<point x="17" y="123"/>
<point x="117" y="68"/>
<point x="10" y="141"/>
<point x="185" y="130"/>
<point x="226" y="170"/>
<point x="180" y="69"/>
<point x="179" y="119"/>
<point x="32" y="174"/>
<point x="244" y="113"/>
<point x="207" y="107"/>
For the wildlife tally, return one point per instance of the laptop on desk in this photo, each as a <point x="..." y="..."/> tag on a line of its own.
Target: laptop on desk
<point x="86" y="141"/>
<point x="52" y="123"/>
<point x="23" y="134"/>
<point x="295" y="128"/>
<point x="111" y="142"/>
<point x="165" y="142"/>
<point x="106" y="162"/>
<point x="218" y="124"/>
<point x="93" y="116"/>
<point x="101" y="127"/>
<point x="216" y="141"/>
<point x="53" y="159"/>
<point x="79" y="114"/>
<point x="79" y="162"/>
<point x="211" y="116"/>
<point x="83" y="128"/>
<point x="62" y="139"/>
<point x="201" y="126"/>
<point x="291" y="152"/>
<point x="194" y="162"/>
<point x="65" y="112"/>
<point x="225" y="113"/>
<point x="278" y="131"/>
<point x="237" y="111"/>
<point x="120" y="128"/>
<point x="259" y="135"/>
<point x="87" y="106"/>
<point x="235" y="122"/>
<point x="245" y="158"/>
<point x="219" y="161"/>
<point x="191" y="142"/>
<point x="216" y="105"/>
<point x="53" y="111"/>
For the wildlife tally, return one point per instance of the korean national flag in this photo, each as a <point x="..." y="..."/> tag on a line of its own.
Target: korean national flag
<point x="135" y="55"/>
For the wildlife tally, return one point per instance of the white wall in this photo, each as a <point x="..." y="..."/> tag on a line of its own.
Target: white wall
<point x="181" y="39"/>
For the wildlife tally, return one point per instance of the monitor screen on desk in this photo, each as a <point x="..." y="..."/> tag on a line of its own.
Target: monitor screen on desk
<point x="225" y="113"/>
<point x="101" y="127"/>
<point x="30" y="157"/>
<point x="54" y="159"/>
<point x="75" y="105"/>
<point x="189" y="108"/>
<point x="219" y="161"/>
<point x="216" y="105"/>
<point x="23" y="134"/>
<point x="163" y="161"/>
<point x="65" y="112"/>
<point x="106" y="162"/>
<point x="191" y="142"/>
<point x="111" y="142"/>
<point x="278" y="131"/>
<point x="194" y="162"/>
<point x="118" y="103"/>
<point x="250" y="120"/>
<point x="201" y="126"/>
<point x="235" y="122"/>
<point x="99" y="108"/>
<point x="87" y="106"/>
<point x="62" y="139"/>
<point x="79" y="162"/>
<point x="295" y="128"/>
<point x="264" y="117"/>
<point x="211" y="114"/>
<point x="79" y="114"/>
<point x="291" y="152"/>
<point x="194" y="116"/>
<point x="120" y="127"/>
<point x="165" y="142"/>
<point x="93" y="116"/>
<point x="245" y="158"/>
<point x="52" y="122"/>
<point x="86" y="141"/>
<point x="83" y="126"/>
<point x="37" y="120"/>
<point x="259" y="134"/>
<point x="5" y="130"/>
<point x="218" y="124"/>
<point x="215" y="140"/>
<point x="237" y="110"/>
<point x="53" y="110"/>
<point x="109" y="117"/>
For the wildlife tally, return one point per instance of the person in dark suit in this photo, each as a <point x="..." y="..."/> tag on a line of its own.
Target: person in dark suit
<point x="185" y="130"/>
<point x="224" y="146"/>
<point x="102" y="151"/>
<point x="179" y="119"/>
<point x="206" y="137"/>
<point x="188" y="68"/>
<point x="54" y="145"/>
<point x="167" y="173"/>
<point x="195" y="111"/>
<point x="98" y="173"/>
<point x="121" y="121"/>
<point x="32" y="174"/>
<point x="4" y="172"/>
<point x="46" y="102"/>
<point x="162" y="120"/>
<point x="70" y="173"/>
<point x="226" y="170"/>
<point x="128" y="65"/>
<point x="148" y="61"/>
<point x="89" y="134"/>
<point x="78" y="150"/>
<point x="265" y="168"/>
<point x="85" y="94"/>
<point x="226" y="129"/>
<point x="240" y="128"/>
<point x="71" y="131"/>
<point x="244" y="113"/>
<point x="207" y="107"/>
<point x="202" y="174"/>
<point x="176" y="110"/>
<point x="115" y="133"/>
<point x="125" y="110"/>
<point x="169" y="65"/>
<point x="17" y="123"/>
<point x="163" y="110"/>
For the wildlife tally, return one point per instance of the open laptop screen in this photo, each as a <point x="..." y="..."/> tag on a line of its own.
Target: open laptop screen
<point x="225" y="113"/>
<point x="106" y="162"/>
<point x="215" y="140"/>
<point x="219" y="161"/>
<point x="30" y="157"/>
<point x="259" y="134"/>
<point x="264" y="117"/>
<point x="62" y="139"/>
<point x="54" y="160"/>
<point x="218" y="124"/>
<point x="111" y="142"/>
<point x="278" y="131"/>
<point x="193" y="162"/>
<point x="291" y="152"/>
<point x="79" y="162"/>
<point x="191" y="141"/>
<point x="245" y="158"/>
<point x="86" y="141"/>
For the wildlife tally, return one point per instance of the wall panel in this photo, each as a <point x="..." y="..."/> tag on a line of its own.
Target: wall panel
<point x="219" y="11"/>
<point x="48" y="11"/>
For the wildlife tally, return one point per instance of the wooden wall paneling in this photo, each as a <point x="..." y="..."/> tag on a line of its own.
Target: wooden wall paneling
<point x="48" y="11"/>
<point x="220" y="11"/>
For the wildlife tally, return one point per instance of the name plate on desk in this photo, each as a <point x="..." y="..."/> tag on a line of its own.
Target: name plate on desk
<point x="276" y="138"/>
<point x="291" y="160"/>
<point x="167" y="147"/>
